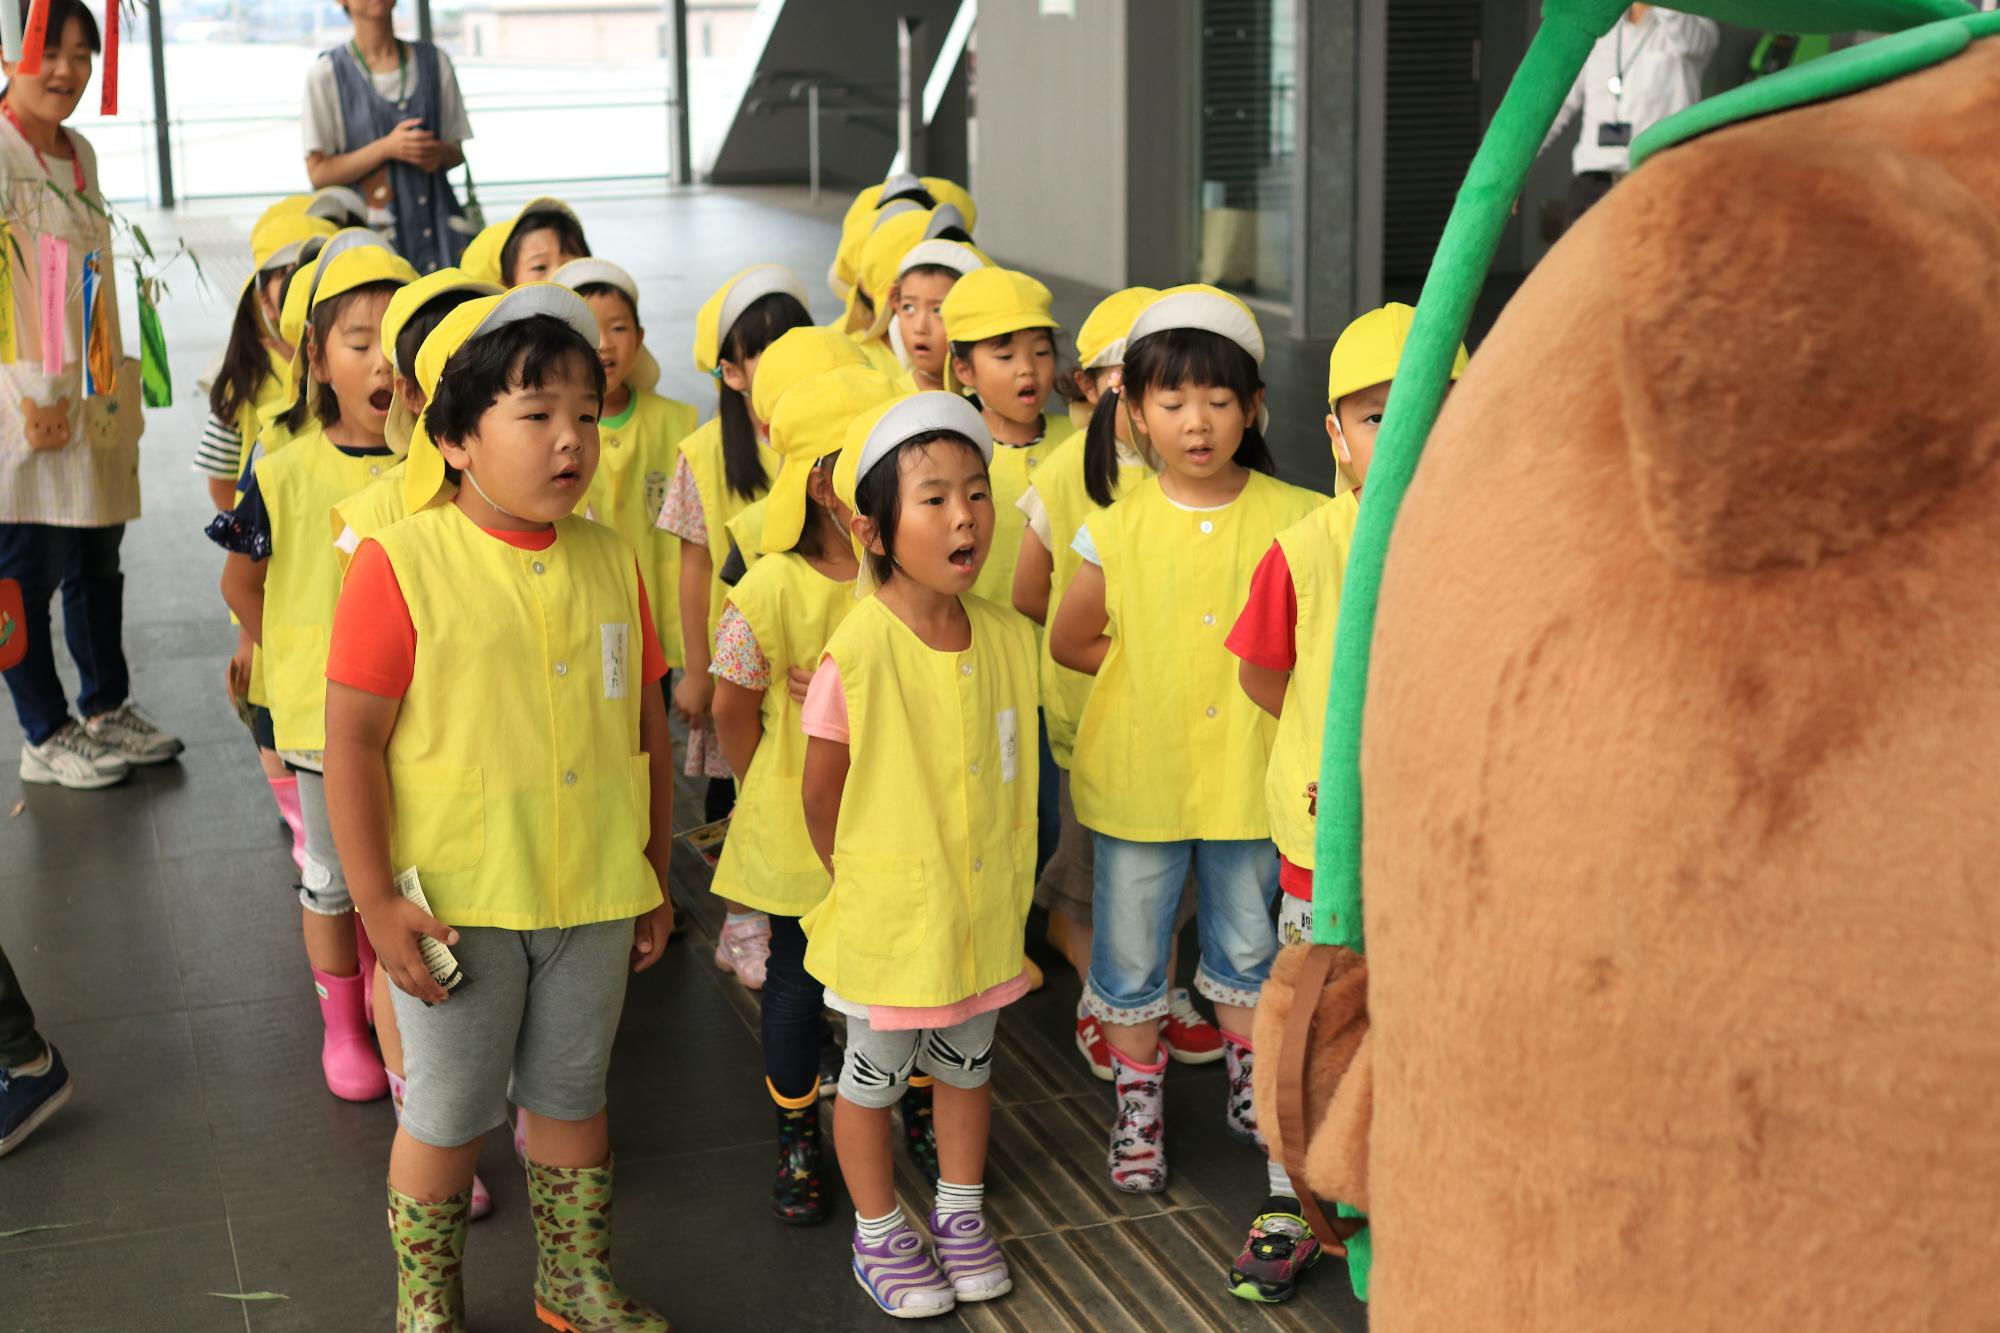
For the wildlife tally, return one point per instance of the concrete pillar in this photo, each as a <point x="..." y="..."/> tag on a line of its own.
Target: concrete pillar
<point x="1337" y="222"/>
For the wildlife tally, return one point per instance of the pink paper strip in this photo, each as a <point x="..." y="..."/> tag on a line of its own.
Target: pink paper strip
<point x="53" y="285"/>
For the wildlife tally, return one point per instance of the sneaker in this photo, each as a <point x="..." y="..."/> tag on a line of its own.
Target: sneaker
<point x="899" y="1275"/>
<point x="1188" y="1037"/>
<point x="1090" y="1040"/>
<point x="26" y="1100"/>
<point x="971" y="1258"/>
<point x="70" y="758"/>
<point x="132" y="736"/>
<point x="1279" y="1248"/>
<point x="744" y="948"/>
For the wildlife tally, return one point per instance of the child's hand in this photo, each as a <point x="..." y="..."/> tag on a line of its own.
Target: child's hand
<point x="394" y="931"/>
<point x="694" y="694"/>
<point x="797" y="681"/>
<point x="649" y="934"/>
<point x="237" y="675"/>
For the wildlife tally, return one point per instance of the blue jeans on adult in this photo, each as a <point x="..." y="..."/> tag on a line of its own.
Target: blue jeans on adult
<point x="1135" y="895"/>
<point x="81" y="563"/>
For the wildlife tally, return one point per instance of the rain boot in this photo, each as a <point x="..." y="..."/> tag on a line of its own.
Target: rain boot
<point x="285" y="791"/>
<point x="798" y="1192"/>
<point x="429" y="1241"/>
<point x="482" y="1199"/>
<point x="364" y="950"/>
<point x="347" y="1053"/>
<point x="574" y="1290"/>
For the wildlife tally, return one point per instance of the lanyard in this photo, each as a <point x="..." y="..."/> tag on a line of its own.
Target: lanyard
<point x="1618" y="79"/>
<point x="75" y="162"/>
<point x="402" y="66"/>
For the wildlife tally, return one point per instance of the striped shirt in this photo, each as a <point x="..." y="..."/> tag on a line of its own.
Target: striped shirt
<point x="219" y="449"/>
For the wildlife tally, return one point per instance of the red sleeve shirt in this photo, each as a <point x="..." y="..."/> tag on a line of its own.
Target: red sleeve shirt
<point x="374" y="645"/>
<point x="1266" y="633"/>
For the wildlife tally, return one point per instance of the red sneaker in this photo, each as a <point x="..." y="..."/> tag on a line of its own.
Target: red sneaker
<point x="1188" y="1037"/>
<point x="1090" y="1040"/>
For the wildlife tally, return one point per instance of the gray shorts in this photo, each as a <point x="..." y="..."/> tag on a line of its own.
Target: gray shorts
<point x="877" y="1065"/>
<point x="322" y="888"/>
<point x="532" y="1025"/>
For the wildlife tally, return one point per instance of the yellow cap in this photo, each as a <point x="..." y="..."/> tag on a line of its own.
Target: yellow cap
<point x="292" y="205"/>
<point x="811" y="422"/>
<point x="795" y="357"/>
<point x="338" y="204"/>
<point x="1370" y="348"/>
<point x="1196" y="305"/>
<point x="860" y="219"/>
<point x="276" y="241"/>
<point x="589" y="272"/>
<point x="1101" y="340"/>
<point x="423" y="477"/>
<point x="719" y="313"/>
<point x="878" y="431"/>
<point x="408" y="300"/>
<point x="882" y="259"/>
<point x="482" y="254"/>
<point x="337" y="269"/>
<point x="988" y="302"/>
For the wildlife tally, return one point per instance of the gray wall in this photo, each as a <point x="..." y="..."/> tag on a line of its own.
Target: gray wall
<point x="1084" y="157"/>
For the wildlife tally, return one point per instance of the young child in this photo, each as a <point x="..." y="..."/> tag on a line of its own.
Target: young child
<point x="775" y="623"/>
<point x="282" y="578"/>
<point x="921" y="806"/>
<point x="639" y="437"/>
<point x="1055" y="507"/>
<point x="1003" y="350"/>
<point x="493" y="724"/>
<point x="882" y="255"/>
<point x="724" y="466"/>
<point x="1284" y="637"/>
<point x="865" y="211"/>
<point x="252" y="372"/>
<point x="528" y="247"/>
<point x="924" y="278"/>
<point x="1170" y="756"/>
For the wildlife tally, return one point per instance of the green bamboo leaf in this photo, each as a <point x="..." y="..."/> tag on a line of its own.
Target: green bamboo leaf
<point x="139" y="235"/>
<point x="250" y="1295"/>
<point x="45" y="1226"/>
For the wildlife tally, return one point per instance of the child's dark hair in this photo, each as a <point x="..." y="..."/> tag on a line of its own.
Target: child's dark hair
<point x="526" y="354"/>
<point x="809" y="543"/>
<point x="591" y="289"/>
<point x="929" y="271"/>
<point x="1165" y="360"/>
<point x="879" y="496"/>
<point x="410" y="339"/>
<point x="60" y="13"/>
<point x="759" y="326"/>
<point x="567" y="229"/>
<point x="245" y="362"/>
<point x="319" y="329"/>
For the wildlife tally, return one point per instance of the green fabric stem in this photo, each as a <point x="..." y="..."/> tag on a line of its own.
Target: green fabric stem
<point x="155" y="379"/>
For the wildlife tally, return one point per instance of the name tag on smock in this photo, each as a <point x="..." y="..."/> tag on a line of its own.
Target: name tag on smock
<point x="614" y="639"/>
<point x="1010" y="745"/>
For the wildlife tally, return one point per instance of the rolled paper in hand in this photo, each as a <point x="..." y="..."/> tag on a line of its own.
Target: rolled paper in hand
<point x="35" y="37"/>
<point x="109" y="106"/>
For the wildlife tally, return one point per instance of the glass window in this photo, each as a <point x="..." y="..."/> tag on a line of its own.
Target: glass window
<point x="1248" y="145"/>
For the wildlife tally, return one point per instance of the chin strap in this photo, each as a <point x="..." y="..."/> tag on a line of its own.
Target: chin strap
<point x="481" y="491"/>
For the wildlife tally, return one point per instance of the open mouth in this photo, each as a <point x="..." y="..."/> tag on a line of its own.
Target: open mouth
<point x="569" y="476"/>
<point x="1028" y="395"/>
<point x="962" y="557"/>
<point x="1201" y="453"/>
<point x="380" y="400"/>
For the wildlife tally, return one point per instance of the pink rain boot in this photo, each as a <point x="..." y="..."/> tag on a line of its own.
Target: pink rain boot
<point x="285" y="791"/>
<point x="364" y="949"/>
<point x="482" y="1201"/>
<point x="347" y="1055"/>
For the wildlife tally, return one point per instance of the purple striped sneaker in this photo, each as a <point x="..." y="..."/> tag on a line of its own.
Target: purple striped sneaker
<point x="901" y="1276"/>
<point x="970" y="1255"/>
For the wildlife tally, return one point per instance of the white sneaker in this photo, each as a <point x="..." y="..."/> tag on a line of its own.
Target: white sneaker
<point x="70" y="758"/>
<point x="132" y="736"/>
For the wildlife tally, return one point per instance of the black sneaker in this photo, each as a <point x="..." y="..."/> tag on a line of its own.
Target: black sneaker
<point x="26" y="1100"/>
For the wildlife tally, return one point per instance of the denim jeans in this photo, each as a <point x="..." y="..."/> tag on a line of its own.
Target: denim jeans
<point x="20" y="1044"/>
<point x="81" y="563"/>
<point x="1136" y="891"/>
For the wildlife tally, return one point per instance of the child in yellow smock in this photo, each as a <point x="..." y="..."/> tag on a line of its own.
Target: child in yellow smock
<point x="528" y="247"/>
<point x="1170" y="756"/>
<point x="920" y="801"/>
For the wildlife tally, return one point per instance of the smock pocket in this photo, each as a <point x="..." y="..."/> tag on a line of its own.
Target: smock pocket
<point x="642" y="797"/>
<point x="440" y="817"/>
<point x="884" y="905"/>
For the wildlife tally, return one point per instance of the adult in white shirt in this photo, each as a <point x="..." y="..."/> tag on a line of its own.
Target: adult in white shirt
<point x="1648" y="67"/>
<point x="385" y="116"/>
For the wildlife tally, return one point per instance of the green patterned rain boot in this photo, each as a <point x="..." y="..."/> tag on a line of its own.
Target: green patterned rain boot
<point x="429" y="1239"/>
<point x="574" y="1290"/>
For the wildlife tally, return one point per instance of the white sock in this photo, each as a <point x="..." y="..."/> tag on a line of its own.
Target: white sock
<point x="960" y="1198"/>
<point x="738" y="918"/>
<point x="1281" y="1183"/>
<point x="875" y="1230"/>
<point x="36" y="1067"/>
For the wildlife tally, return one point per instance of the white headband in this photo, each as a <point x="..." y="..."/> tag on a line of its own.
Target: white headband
<point x="755" y="284"/>
<point x="917" y="415"/>
<point x="1200" y="310"/>
<point x="954" y="255"/>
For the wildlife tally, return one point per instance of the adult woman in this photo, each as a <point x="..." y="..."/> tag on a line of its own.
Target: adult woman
<point x="385" y="116"/>
<point x="69" y="465"/>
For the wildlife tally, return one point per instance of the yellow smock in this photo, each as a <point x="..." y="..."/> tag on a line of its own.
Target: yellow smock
<point x="719" y="503"/>
<point x="1169" y="747"/>
<point x="1316" y="554"/>
<point x="520" y="791"/>
<point x="934" y="852"/>
<point x="793" y="610"/>
<point x="635" y="461"/>
<point x="746" y="530"/>
<point x="1012" y="470"/>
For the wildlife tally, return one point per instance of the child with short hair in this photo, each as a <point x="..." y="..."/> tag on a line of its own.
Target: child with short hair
<point x="1003" y="350"/>
<point x="775" y="623"/>
<point x="921" y="805"/>
<point x="924" y="279"/>
<point x="282" y="579"/>
<point x="528" y="247"/>
<point x="639" y="436"/>
<point x="1170" y="756"/>
<point x="493" y="726"/>
<point x="1284" y="638"/>
<point x="868" y="207"/>
<point x="900" y="229"/>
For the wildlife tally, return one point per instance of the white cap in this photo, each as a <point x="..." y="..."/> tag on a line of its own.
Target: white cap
<point x="1211" y="311"/>
<point x="957" y="256"/>
<point x="755" y="284"/>
<point x="919" y="414"/>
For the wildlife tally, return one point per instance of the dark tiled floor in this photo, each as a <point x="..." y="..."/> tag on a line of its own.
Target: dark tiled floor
<point x="152" y="926"/>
